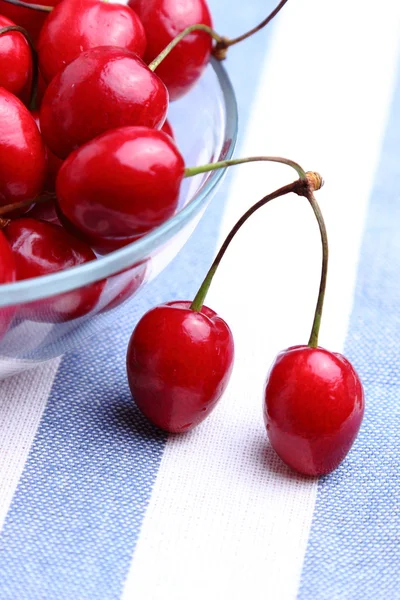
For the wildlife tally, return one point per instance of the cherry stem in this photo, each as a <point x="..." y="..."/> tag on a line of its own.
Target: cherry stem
<point x="299" y="187"/>
<point x="198" y="27"/>
<point x="222" y="43"/>
<point x="223" y="164"/>
<point x="39" y="7"/>
<point x="227" y="43"/>
<point x="9" y="208"/>
<point x="313" y="341"/>
<point x="35" y="64"/>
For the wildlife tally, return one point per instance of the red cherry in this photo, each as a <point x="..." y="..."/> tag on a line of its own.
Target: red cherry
<point x="41" y="248"/>
<point x="22" y="155"/>
<point x="167" y="128"/>
<point x="31" y="20"/>
<point x="163" y="20"/>
<point x="121" y="184"/>
<point x="104" y="88"/>
<point x="314" y="405"/>
<point x="179" y="362"/>
<point x="7" y="275"/>
<point x="53" y="164"/>
<point x="15" y="62"/>
<point x="78" y="25"/>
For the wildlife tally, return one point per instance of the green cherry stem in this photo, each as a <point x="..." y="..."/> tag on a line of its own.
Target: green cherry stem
<point x="35" y="64"/>
<point x="223" y="164"/>
<point x="301" y="187"/>
<point x="313" y="341"/>
<point x="39" y="7"/>
<point x="198" y="27"/>
<point x="298" y="187"/>
<point x="222" y="43"/>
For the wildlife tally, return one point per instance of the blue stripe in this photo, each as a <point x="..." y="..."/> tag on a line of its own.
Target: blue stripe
<point x="354" y="547"/>
<point x="76" y="516"/>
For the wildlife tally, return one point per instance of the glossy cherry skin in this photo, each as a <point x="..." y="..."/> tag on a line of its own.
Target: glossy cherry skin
<point x="79" y="25"/>
<point x="179" y="363"/>
<point x="7" y="275"/>
<point x="121" y="184"/>
<point x="22" y="154"/>
<point x="31" y="20"/>
<point x="15" y="62"/>
<point x="104" y="88"/>
<point x="41" y="248"/>
<point x="313" y="408"/>
<point x="163" y="20"/>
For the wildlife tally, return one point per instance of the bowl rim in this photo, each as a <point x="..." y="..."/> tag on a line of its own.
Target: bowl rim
<point x="117" y="261"/>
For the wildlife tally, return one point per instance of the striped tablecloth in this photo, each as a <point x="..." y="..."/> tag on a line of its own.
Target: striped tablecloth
<point x="95" y="504"/>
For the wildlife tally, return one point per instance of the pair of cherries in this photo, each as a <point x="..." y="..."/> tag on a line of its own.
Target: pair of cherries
<point x="180" y="358"/>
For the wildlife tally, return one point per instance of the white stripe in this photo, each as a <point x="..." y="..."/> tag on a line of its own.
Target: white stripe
<point x="226" y="519"/>
<point x="22" y="402"/>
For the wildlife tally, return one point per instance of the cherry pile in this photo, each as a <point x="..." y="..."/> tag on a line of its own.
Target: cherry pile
<point x="89" y="164"/>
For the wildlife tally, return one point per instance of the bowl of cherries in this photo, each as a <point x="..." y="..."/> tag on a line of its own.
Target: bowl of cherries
<point x="99" y="190"/>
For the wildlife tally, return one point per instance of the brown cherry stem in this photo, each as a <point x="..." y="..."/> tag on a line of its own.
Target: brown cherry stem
<point x="39" y="7"/>
<point x="223" y="164"/>
<point x="301" y="187"/>
<point x="222" y="43"/>
<point x="298" y="187"/>
<point x="35" y="64"/>
<point x="9" y="208"/>
<point x="221" y="48"/>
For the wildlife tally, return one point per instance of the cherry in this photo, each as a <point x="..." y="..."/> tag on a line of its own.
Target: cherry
<point x="15" y="61"/>
<point x="179" y="35"/>
<point x="78" y="25"/>
<point x="163" y="20"/>
<point x="7" y="275"/>
<point x="120" y="185"/>
<point x="104" y="88"/>
<point x="95" y="189"/>
<point x="22" y="154"/>
<point x="53" y="165"/>
<point x="179" y="363"/>
<point x="314" y="405"/>
<point x="313" y="398"/>
<point x="180" y="355"/>
<point x="30" y="19"/>
<point x="41" y="248"/>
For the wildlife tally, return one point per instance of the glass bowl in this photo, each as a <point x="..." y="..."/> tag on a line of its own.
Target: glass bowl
<point x="205" y="126"/>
